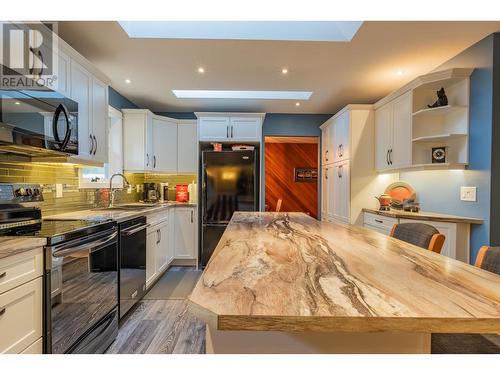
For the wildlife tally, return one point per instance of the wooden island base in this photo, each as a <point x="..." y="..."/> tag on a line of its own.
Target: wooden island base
<point x="273" y="342"/>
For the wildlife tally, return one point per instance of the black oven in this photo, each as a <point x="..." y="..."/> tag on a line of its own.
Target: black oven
<point x="37" y="122"/>
<point x="81" y="293"/>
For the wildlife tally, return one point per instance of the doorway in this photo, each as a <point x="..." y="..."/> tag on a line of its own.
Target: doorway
<point x="291" y="174"/>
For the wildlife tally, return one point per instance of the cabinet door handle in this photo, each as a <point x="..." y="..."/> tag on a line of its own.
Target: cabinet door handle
<point x="227" y="131"/>
<point x="231" y="131"/>
<point x="326" y="174"/>
<point x="387" y="157"/>
<point x="192" y="219"/>
<point x="91" y="144"/>
<point x="96" y="144"/>
<point x="154" y="161"/>
<point x="3" y="274"/>
<point x="326" y="155"/>
<point x="390" y="156"/>
<point x="147" y="160"/>
<point x="157" y="236"/>
<point x="340" y="150"/>
<point x="379" y="221"/>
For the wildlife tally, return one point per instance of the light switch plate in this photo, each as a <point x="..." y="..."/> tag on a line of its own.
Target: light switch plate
<point x="59" y="190"/>
<point x="468" y="193"/>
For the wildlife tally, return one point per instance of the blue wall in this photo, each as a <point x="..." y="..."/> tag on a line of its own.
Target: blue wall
<point x="118" y="101"/>
<point x="178" y="115"/>
<point x="439" y="191"/>
<point x="298" y="125"/>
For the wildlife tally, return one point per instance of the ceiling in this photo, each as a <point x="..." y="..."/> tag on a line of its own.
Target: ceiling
<point x="381" y="57"/>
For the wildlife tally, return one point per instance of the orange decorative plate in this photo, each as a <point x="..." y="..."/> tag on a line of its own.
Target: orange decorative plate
<point x="400" y="191"/>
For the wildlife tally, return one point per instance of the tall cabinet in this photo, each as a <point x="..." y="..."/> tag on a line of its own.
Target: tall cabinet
<point x="348" y="172"/>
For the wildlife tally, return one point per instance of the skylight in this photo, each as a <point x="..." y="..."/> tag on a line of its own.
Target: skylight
<point x="319" y="31"/>
<point x="237" y="94"/>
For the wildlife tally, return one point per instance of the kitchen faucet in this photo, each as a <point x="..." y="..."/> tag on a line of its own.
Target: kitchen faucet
<point x="112" y="191"/>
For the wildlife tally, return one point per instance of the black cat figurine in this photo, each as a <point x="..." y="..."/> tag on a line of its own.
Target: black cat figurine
<point x="441" y="101"/>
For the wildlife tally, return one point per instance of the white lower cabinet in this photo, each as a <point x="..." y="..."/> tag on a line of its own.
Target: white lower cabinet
<point x="171" y="235"/>
<point x="341" y="191"/>
<point x="185" y="243"/>
<point x="21" y="317"/>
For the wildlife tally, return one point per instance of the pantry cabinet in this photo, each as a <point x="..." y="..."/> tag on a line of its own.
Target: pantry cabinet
<point x="235" y="127"/>
<point x="348" y="173"/>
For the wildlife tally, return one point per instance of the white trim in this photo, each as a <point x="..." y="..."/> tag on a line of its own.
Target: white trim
<point x="114" y="113"/>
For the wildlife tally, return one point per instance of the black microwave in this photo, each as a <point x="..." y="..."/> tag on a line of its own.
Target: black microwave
<point x="38" y="122"/>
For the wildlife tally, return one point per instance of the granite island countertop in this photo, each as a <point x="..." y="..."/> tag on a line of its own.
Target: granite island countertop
<point x="15" y="245"/>
<point x="290" y="272"/>
<point x="423" y="215"/>
<point x="119" y="215"/>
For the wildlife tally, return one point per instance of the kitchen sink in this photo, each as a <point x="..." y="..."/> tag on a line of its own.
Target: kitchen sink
<point x="127" y="207"/>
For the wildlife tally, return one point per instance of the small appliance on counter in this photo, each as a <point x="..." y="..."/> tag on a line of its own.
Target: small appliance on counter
<point x="242" y="148"/>
<point x="385" y="202"/>
<point x="164" y="191"/>
<point x="181" y="193"/>
<point x="151" y="192"/>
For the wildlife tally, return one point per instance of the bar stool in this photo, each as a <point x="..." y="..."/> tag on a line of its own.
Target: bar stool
<point x="419" y="234"/>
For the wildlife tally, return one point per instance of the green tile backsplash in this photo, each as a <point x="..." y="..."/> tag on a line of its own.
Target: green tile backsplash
<point x="49" y="174"/>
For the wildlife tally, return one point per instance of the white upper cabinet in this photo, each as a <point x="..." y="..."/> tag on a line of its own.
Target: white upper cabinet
<point x="157" y="143"/>
<point x="164" y="145"/>
<point x="230" y="127"/>
<point x="245" y="128"/>
<point x="137" y="140"/>
<point x="383" y="136"/>
<point x="400" y="155"/>
<point x="326" y="155"/>
<point x="63" y="81"/>
<point x="214" y="128"/>
<point x="393" y="134"/>
<point x="81" y="92"/>
<point x="407" y="129"/>
<point x="100" y="118"/>
<point x="187" y="151"/>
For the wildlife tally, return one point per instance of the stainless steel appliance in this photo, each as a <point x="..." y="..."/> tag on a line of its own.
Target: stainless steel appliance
<point x="38" y="123"/>
<point x="230" y="183"/>
<point x="151" y="192"/>
<point x="81" y="272"/>
<point x="132" y="263"/>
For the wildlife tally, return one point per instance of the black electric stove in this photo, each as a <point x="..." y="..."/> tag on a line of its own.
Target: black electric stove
<point x="80" y="280"/>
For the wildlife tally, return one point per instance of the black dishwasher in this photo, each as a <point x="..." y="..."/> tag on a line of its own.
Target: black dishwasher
<point x="132" y="263"/>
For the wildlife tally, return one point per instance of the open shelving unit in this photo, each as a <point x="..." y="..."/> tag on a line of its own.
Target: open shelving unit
<point x="446" y="126"/>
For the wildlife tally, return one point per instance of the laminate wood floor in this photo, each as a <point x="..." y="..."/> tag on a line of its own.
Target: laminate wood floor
<point x="162" y="326"/>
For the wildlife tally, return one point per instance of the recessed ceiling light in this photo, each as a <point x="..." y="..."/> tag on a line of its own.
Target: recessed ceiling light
<point x="128" y="81"/>
<point x="239" y="94"/>
<point x="399" y="72"/>
<point x="201" y="70"/>
<point x="297" y="104"/>
<point x="17" y="103"/>
<point x="284" y="71"/>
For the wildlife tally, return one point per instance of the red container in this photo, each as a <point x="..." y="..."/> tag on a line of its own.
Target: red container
<point x="181" y="193"/>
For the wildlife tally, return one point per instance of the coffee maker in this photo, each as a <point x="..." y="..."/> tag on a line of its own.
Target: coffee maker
<point x="151" y="192"/>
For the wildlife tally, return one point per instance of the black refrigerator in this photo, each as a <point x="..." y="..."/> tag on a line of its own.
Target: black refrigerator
<point x="230" y="182"/>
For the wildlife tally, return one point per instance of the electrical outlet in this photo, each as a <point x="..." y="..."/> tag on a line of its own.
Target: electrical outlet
<point x="468" y="193"/>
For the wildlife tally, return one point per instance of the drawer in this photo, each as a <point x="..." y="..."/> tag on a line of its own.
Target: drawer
<point x="378" y="229"/>
<point x="20" y="268"/>
<point x="157" y="217"/>
<point x="35" y="348"/>
<point x="379" y="221"/>
<point x="21" y="317"/>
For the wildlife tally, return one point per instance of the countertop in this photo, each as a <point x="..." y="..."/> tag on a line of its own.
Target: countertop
<point x="290" y="272"/>
<point x="15" y="245"/>
<point x="422" y="215"/>
<point x="118" y="215"/>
